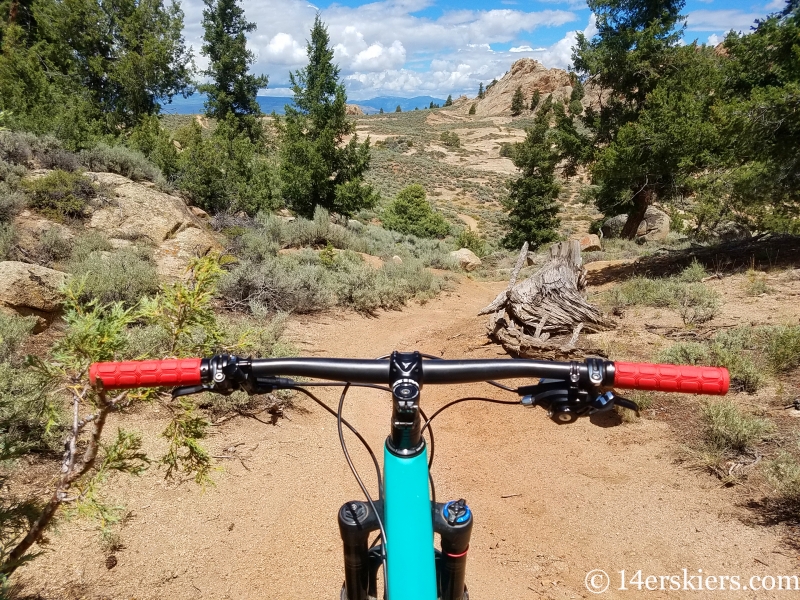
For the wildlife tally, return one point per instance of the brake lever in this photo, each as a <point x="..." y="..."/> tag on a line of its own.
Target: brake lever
<point x="265" y="385"/>
<point x="188" y="390"/>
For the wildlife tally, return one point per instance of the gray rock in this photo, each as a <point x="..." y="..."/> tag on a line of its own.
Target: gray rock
<point x="654" y="226"/>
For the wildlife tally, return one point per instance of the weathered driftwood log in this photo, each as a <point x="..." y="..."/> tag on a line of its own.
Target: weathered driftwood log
<point x="543" y="316"/>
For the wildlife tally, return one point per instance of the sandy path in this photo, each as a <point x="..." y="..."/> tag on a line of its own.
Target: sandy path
<point x="579" y="497"/>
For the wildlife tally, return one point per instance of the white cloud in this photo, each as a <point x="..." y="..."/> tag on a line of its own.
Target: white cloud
<point x="283" y="49"/>
<point x="713" y="39"/>
<point x="776" y="5"/>
<point x="381" y="46"/>
<point x="721" y="20"/>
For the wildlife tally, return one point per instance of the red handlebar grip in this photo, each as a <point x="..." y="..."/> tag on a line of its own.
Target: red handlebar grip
<point x="672" y="378"/>
<point x="146" y="373"/>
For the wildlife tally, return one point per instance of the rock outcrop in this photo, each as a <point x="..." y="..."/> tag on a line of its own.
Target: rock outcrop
<point x="466" y="258"/>
<point x="353" y="110"/>
<point x="654" y="226"/>
<point x="139" y="213"/>
<point x="27" y="289"/>
<point x="527" y="74"/>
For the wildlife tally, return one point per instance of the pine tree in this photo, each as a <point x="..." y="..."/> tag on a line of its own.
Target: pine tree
<point x="533" y="212"/>
<point x="481" y="93"/>
<point x="380" y="112"/>
<point x="517" y="102"/>
<point x="635" y="48"/>
<point x="472" y="109"/>
<point x="232" y="90"/>
<point x="449" y="101"/>
<point x="317" y="167"/>
<point x="398" y="109"/>
<point x="537" y="95"/>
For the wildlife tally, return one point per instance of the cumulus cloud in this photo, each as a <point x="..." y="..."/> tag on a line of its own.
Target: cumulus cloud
<point x="713" y="39"/>
<point x="283" y="49"/>
<point x="386" y="46"/>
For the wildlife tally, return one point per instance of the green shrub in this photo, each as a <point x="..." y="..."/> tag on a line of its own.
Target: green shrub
<point x="694" y="302"/>
<point x="6" y="240"/>
<point x="124" y="275"/>
<point x="29" y="418"/>
<point x="60" y="194"/>
<point x="729" y="429"/>
<point x="278" y="286"/>
<point x="122" y="161"/>
<point x="226" y="171"/>
<point x="784" y="474"/>
<point x="783" y="347"/>
<point x="575" y="107"/>
<point x="756" y="283"/>
<point x="411" y="213"/>
<point x="450" y="139"/>
<point x="58" y="158"/>
<point x="302" y="283"/>
<point x="11" y="174"/>
<point x="12" y="201"/>
<point x="52" y="247"/>
<point x="685" y="353"/>
<point x="694" y="273"/>
<point x="154" y="142"/>
<point x="14" y="331"/>
<point x="84" y="244"/>
<point x="507" y="149"/>
<point x="469" y="239"/>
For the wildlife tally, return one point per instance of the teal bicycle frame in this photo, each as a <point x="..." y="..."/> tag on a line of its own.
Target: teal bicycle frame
<point x="408" y="522"/>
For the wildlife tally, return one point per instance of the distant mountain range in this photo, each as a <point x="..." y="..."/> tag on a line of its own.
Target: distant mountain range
<point x="194" y="104"/>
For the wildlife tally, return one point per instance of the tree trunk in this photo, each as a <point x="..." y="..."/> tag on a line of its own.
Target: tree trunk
<point x="544" y="315"/>
<point x="640" y="203"/>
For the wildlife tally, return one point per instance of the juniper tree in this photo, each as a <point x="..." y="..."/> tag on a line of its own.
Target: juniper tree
<point x="533" y="212"/>
<point x="232" y="89"/>
<point x="317" y="167"/>
<point x="517" y="102"/>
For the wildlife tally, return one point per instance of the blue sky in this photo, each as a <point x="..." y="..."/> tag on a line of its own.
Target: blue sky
<point x="439" y="47"/>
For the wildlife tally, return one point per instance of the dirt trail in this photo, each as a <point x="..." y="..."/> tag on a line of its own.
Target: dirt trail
<point x="551" y="503"/>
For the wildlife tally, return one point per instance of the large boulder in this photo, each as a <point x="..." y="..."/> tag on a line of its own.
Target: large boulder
<point x="31" y="290"/>
<point x="654" y="226"/>
<point x="589" y="242"/>
<point x="139" y="213"/>
<point x="466" y="258"/>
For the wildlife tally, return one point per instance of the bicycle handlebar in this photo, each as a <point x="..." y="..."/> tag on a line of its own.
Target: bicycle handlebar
<point x="637" y="376"/>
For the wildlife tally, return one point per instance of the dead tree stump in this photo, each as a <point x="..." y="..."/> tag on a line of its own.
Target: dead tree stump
<point x="543" y="316"/>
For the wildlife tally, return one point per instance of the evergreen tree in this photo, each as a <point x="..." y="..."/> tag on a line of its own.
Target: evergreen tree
<point x="537" y="95"/>
<point x="380" y="111"/>
<point x="317" y="168"/>
<point x="57" y="73"/>
<point x="232" y="90"/>
<point x="472" y="109"/>
<point x="533" y="212"/>
<point x="398" y="109"/>
<point x="636" y="47"/>
<point x="449" y="101"/>
<point x="517" y="102"/>
<point x="481" y="93"/>
<point x="758" y="115"/>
